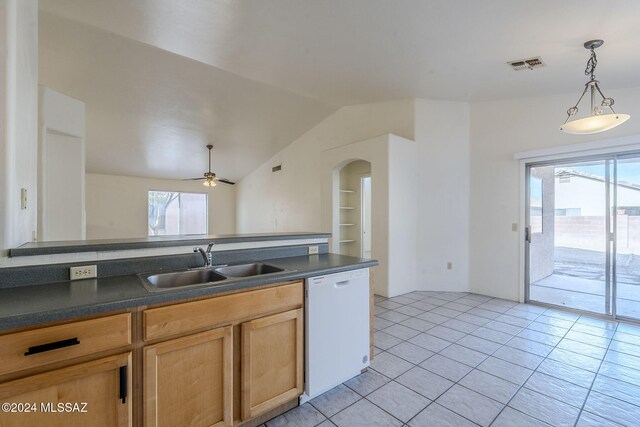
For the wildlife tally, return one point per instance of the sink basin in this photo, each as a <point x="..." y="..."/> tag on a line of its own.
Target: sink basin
<point x="246" y="270"/>
<point x="204" y="276"/>
<point x="180" y="279"/>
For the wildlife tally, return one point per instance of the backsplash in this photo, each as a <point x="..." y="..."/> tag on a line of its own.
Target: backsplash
<point x="41" y="274"/>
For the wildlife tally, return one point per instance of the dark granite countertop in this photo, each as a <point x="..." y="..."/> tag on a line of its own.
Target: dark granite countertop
<point x="48" y="248"/>
<point x="31" y="305"/>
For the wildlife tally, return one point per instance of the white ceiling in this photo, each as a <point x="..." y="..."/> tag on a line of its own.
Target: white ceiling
<point x="252" y="75"/>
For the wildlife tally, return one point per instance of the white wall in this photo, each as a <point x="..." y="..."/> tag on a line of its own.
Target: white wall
<point x="290" y="200"/>
<point x="442" y="140"/>
<point x="375" y="151"/>
<point x="431" y="232"/>
<point x="393" y="199"/>
<point x="116" y="206"/>
<point x="403" y="190"/>
<point x="500" y="129"/>
<point x="61" y="167"/>
<point x="18" y="119"/>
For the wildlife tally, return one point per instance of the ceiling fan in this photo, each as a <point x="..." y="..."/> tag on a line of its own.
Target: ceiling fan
<point x="209" y="178"/>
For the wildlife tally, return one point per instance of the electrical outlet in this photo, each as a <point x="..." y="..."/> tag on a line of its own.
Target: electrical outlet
<point x="313" y="250"/>
<point x="83" y="272"/>
<point x="449" y="265"/>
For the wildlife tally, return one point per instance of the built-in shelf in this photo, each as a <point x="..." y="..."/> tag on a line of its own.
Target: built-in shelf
<point x="347" y="207"/>
<point x="346" y="225"/>
<point x="347" y="241"/>
<point x="347" y="191"/>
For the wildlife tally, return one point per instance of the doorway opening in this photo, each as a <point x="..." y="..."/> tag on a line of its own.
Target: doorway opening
<point x="583" y="234"/>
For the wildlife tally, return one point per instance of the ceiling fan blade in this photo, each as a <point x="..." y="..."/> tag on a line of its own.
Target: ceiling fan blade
<point x="194" y="179"/>
<point x="226" y="181"/>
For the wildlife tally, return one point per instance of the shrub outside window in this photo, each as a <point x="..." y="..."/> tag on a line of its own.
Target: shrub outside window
<point x="175" y="213"/>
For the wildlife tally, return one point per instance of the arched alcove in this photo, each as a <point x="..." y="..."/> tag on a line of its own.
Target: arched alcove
<point x="353" y="188"/>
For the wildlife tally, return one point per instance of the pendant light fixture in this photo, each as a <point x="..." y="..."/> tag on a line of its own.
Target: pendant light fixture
<point x="601" y="116"/>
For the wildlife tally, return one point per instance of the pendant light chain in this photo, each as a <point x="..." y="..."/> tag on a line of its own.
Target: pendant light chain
<point x="591" y="65"/>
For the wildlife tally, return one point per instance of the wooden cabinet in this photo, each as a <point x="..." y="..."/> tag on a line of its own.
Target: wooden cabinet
<point x="222" y="361"/>
<point x="72" y="374"/>
<point x="21" y="351"/>
<point x="95" y="393"/>
<point x="272" y="362"/>
<point x="178" y="319"/>
<point x="188" y="381"/>
<point x="219" y="361"/>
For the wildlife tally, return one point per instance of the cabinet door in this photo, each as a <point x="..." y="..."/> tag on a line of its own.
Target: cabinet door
<point x="94" y="393"/>
<point x="272" y="361"/>
<point x="187" y="381"/>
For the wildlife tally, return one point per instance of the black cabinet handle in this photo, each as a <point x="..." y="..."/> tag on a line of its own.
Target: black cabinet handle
<point x="52" y="346"/>
<point x="123" y="384"/>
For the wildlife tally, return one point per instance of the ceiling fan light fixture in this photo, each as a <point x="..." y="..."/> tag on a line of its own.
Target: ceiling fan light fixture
<point x="602" y="116"/>
<point x="209" y="179"/>
<point x="210" y="182"/>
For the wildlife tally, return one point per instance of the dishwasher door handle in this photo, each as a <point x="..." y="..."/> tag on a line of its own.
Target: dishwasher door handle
<point x="341" y="283"/>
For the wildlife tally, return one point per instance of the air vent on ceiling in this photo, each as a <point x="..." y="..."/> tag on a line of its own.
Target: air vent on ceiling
<point x="527" y="64"/>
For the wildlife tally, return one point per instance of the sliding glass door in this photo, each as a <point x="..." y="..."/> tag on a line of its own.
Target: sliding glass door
<point x="583" y="241"/>
<point x="626" y="271"/>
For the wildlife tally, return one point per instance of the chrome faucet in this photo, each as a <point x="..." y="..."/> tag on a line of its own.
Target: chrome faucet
<point x="206" y="255"/>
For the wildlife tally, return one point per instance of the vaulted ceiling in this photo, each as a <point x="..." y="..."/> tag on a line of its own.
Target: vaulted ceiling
<point x="162" y="78"/>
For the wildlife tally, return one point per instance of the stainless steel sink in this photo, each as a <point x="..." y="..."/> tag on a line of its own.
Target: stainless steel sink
<point x="205" y="276"/>
<point x="246" y="270"/>
<point x="178" y="279"/>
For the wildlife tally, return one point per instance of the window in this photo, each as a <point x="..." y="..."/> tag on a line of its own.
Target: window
<point x="535" y="204"/>
<point x="174" y="213"/>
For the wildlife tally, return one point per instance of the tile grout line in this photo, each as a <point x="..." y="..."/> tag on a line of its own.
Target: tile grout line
<point x="473" y="368"/>
<point x="501" y="345"/>
<point x="450" y="318"/>
<point x="504" y="405"/>
<point x="432" y="401"/>
<point x="504" y="345"/>
<point x="529" y="377"/>
<point x="360" y="399"/>
<point x="596" y="377"/>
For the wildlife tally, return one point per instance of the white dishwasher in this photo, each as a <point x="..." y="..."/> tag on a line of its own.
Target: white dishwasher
<point x="337" y="329"/>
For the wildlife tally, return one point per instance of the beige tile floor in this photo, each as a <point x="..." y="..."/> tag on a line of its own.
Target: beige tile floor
<point x="460" y="359"/>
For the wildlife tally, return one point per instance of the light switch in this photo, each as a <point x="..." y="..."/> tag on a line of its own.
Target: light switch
<point x="514" y="226"/>
<point x="23" y="198"/>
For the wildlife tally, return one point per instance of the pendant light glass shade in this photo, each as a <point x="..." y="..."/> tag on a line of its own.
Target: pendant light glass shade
<point x="210" y="182"/>
<point x="602" y="116"/>
<point x="594" y="124"/>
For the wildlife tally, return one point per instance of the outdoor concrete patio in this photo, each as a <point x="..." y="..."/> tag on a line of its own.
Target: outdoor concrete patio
<point x="578" y="281"/>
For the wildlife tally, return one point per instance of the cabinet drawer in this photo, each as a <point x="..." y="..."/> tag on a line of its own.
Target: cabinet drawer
<point x="30" y="349"/>
<point x="186" y="317"/>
